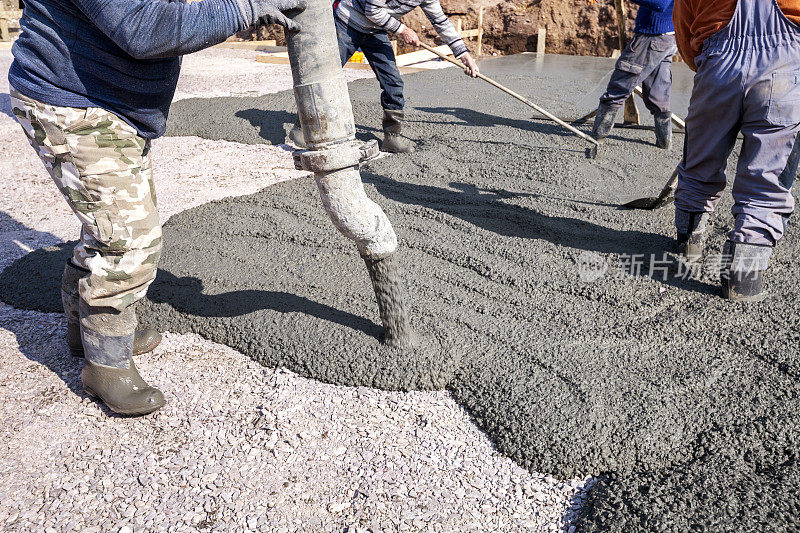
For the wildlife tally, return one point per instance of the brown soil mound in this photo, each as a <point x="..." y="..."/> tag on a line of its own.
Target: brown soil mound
<point x="511" y="27"/>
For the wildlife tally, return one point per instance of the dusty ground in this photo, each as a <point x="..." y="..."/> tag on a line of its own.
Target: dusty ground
<point x="239" y="446"/>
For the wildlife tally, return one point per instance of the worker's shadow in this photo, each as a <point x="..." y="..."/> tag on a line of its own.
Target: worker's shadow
<point x="470" y="117"/>
<point x="33" y="282"/>
<point x="272" y="125"/>
<point x="640" y="253"/>
<point x="185" y="294"/>
<point x="216" y="123"/>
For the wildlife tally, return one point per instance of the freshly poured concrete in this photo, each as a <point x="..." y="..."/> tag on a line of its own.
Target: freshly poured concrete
<point x="687" y="402"/>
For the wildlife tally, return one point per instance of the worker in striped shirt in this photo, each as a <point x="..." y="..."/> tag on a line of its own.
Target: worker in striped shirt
<point x="365" y="25"/>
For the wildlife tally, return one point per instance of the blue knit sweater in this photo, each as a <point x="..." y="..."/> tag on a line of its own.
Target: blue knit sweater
<point x="654" y="17"/>
<point x="121" y="55"/>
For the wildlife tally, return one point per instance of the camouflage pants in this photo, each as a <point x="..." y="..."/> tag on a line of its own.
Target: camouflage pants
<point x="102" y="167"/>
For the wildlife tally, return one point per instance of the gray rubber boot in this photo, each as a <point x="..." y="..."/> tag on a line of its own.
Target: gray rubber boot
<point x="393" y="141"/>
<point x="144" y="340"/>
<point x="296" y="136"/>
<point x="691" y="228"/>
<point x="108" y="371"/>
<point x="742" y="272"/>
<point x="604" y="121"/>
<point x="663" y="129"/>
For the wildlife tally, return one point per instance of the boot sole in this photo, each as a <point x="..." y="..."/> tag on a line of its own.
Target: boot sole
<point x="132" y="412"/>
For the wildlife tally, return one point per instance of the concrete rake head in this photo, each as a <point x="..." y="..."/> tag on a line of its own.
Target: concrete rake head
<point x="666" y="197"/>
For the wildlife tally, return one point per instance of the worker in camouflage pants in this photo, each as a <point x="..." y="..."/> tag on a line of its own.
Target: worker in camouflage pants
<point x="91" y="85"/>
<point x="102" y="168"/>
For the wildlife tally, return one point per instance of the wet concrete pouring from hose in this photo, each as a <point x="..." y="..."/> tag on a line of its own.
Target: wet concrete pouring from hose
<point x="552" y="316"/>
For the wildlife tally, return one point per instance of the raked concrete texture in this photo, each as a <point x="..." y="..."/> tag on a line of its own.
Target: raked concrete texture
<point x="239" y="446"/>
<point x="567" y="329"/>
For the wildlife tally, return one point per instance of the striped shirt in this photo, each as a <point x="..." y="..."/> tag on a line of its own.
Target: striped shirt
<point x="372" y="16"/>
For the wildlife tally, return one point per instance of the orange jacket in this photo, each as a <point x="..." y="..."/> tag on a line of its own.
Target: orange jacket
<point x="696" y="20"/>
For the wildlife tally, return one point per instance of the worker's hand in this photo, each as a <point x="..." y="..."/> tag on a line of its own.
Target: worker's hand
<point x="274" y="12"/>
<point x="409" y="36"/>
<point x="472" y="66"/>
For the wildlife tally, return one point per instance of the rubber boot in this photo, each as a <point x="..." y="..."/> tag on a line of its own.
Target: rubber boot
<point x="691" y="228"/>
<point x="295" y="136"/>
<point x="108" y="371"/>
<point x="144" y="340"/>
<point x="604" y="121"/>
<point x="663" y="129"/>
<point x="393" y="141"/>
<point x="742" y="272"/>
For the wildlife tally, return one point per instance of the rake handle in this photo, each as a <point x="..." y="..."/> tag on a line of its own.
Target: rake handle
<point x="515" y="95"/>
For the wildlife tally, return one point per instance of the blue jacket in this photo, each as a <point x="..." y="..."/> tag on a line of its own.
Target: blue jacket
<point x="121" y="55"/>
<point x="654" y="17"/>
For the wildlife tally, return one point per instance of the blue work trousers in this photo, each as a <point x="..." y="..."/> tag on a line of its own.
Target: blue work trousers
<point x="378" y="51"/>
<point x="748" y="81"/>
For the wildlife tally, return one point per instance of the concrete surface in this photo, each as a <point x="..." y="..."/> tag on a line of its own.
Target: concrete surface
<point x="239" y="446"/>
<point x="579" y="346"/>
<point x="576" y="343"/>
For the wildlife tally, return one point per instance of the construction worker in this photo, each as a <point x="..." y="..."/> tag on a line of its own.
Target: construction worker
<point x="91" y="85"/>
<point x="365" y="25"/>
<point x="645" y="61"/>
<point x="747" y="58"/>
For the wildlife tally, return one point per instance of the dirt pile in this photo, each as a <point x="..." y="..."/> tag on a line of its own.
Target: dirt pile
<point x="511" y="27"/>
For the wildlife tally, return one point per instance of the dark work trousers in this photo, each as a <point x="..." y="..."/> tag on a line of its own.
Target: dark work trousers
<point x="748" y="80"/>
<point x="378" y="51"/>
<point x="645" y="61"/>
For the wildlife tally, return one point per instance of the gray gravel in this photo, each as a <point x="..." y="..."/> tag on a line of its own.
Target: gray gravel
<point x="241" y="446"/>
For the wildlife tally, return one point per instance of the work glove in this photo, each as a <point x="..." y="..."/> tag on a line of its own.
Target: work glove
<point x="270" y="12"/>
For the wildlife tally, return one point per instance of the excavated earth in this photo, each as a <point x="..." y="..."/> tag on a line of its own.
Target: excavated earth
<point x="558" y="319"/>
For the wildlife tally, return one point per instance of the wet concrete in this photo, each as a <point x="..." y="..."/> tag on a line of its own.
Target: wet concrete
<point x="391" y="299"/>
<point x="572" y="348"/>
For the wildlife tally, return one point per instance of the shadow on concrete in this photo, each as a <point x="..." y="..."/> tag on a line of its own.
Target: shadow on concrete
<point x="488" y="209"/>
<point x="33" y="283"/>
<point x="20" y="285"/>
<point x="509" y="195"/>
<point x="470" y="117"/>
<point x="271" y="124"/>
<point x="185" y="294"/>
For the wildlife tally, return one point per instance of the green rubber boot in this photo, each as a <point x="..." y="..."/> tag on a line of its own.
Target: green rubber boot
<point x="144" y="340"/>
<point x="663" y="129"/>
<point x="393" y="141"/>
<point x="108" y="370"/>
